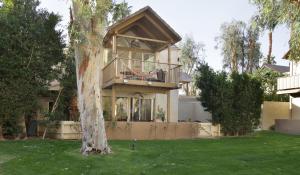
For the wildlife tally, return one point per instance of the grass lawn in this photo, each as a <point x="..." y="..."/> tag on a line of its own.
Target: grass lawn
<point x="262" y="153"/>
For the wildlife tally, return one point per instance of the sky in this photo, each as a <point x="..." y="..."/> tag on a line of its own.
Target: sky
<point x="198" y="18"/>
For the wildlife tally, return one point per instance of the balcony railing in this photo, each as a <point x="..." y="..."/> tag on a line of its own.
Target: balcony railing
<point x="147" y="71"/>
<point x="290" y="82"/>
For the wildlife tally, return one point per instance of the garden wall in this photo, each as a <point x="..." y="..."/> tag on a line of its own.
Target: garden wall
<point x="138" y="130"/>
<point x="273" y="110"/>
<point x="288" y="126"/>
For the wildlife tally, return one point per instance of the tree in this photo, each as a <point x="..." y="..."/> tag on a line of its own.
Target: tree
<point x="239" y="46"/>
<point x="231" y="40"/>
<point x="252" y="49"/>
<point x="287" y="12"/>
<point x="119" y="11"/>
<point x="89" y="19"/>
<point x="192" y="53"/>
<point x="30" y="50"/>
<point x="234" y="100"/>
<point x="69" y="91"/>
<point x="268" y="79"/>
<point x="267" y="19"/>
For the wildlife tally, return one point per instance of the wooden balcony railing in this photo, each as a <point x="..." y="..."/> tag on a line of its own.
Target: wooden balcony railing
<point x="148" y="71"/>
<point x="290" y="82"/>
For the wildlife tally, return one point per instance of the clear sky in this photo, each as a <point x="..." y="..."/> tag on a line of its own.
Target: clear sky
<point x="200" y="18"/>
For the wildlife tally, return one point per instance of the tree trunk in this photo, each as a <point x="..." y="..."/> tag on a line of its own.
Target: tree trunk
<point x="269" y="57"/>
<point x="250" y="54"/>
<point x="88" y="55"/>
<point x="234" y="61"/>
<point x="1" y="134"/>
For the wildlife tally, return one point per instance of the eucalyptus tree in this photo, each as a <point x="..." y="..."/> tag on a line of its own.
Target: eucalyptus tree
<point x="253" y="53"/>
<point x="267" y="19"/>
<point x="191" y="54"/>
<point x="89" y="21"/>
<point x="239" y="46"/>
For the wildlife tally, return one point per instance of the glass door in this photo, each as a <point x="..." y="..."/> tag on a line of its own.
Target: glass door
<point x="141" y="109"/>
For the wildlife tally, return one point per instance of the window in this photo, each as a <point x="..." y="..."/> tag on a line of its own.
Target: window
<point x="141" y="109"/>
<point x="122" y="108"/>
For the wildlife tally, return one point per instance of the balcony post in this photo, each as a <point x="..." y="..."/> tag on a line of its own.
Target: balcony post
<point x="168" y="106"/>
<point x="114" y="46"/>
<point x="114" y="53"/>
<point x="169" y="63"/>
<point x="113" y="103"/>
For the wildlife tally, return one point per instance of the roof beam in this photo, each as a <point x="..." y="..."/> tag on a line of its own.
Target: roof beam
<point x="141" y="38"/>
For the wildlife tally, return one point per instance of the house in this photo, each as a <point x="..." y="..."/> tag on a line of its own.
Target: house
<point x="141" y="74"/>
<point x="290" y="85"/>
<point x="141" y="79"/>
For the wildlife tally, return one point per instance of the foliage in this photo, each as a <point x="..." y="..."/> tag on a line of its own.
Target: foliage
<point x="191" y="54"/>
<point x="68" y="82"/>
<point x="30" y="50"/>
<point x="267" y="18"/>
<point x="233" y="100"/>
<point x="119" y="11"/>
<point x="160" y="114"/>
<point x="268" y="79"/>
<point x="239" y="46"/>
<point x="287" y="12"/>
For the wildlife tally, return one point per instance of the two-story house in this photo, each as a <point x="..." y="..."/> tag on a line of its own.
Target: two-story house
<point x="141" y="73"/>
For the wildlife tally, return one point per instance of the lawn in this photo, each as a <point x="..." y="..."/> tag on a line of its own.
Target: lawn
<point x="262" y="153"/>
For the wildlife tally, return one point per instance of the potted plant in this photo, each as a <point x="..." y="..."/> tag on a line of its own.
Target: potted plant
<point x="160" y="115"/>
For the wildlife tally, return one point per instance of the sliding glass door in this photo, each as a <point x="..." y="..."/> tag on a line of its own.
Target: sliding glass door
<point x="141" y="109"/>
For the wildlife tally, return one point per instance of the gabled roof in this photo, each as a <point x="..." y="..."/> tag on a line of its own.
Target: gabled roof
<point x="145" y="23"/>
<point x="277" y="68"/>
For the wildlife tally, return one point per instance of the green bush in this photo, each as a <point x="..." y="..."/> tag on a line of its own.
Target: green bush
<point x="234" y="100"/>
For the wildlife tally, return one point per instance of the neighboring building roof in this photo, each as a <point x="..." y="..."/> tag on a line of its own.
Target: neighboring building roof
<point x="146" y="23"/>
<point x="54" y="86"/>
<point x="185" y="78"/>
<point x="286" y="55"/>
<point x="277" y="68"/>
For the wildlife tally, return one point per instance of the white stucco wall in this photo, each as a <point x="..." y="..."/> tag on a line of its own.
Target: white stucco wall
<point x="295" y="111"/>
<point x="294" y="68"/>
<point x="190" y="109"/>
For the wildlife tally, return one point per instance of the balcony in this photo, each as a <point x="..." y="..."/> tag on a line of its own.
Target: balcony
<point x="141" y="73"/>
<point x="287" y="85"/>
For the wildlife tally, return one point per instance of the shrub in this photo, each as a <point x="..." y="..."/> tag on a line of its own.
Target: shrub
<point x="233" y="100"/>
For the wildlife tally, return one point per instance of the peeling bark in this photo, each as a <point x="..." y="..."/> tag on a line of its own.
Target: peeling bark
<point x="88" y="55"/>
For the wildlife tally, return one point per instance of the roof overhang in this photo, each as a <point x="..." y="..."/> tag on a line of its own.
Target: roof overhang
<point x="288" y="91"/>
<point x="144" y="23"/>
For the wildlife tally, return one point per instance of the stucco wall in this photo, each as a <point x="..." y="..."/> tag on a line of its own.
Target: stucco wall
<point x="273" y="110"/>
<point x="288" y="126"/>
<point x="138" y="130"/>
<point x="295" y="103"/>
<point x="190" y="109"/>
